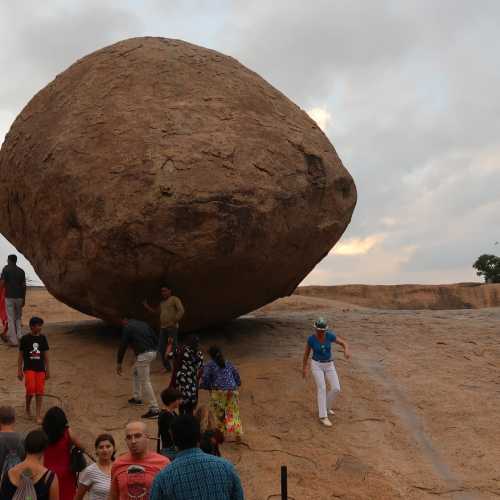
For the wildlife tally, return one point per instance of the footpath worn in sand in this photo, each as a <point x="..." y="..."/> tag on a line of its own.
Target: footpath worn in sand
<point x="417" y="417"/>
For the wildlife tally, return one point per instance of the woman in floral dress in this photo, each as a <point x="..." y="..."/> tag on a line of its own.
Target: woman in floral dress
<point x="187" y="371"/>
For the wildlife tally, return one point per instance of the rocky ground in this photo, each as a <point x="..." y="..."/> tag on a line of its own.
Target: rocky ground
<point x="416" y="418"/>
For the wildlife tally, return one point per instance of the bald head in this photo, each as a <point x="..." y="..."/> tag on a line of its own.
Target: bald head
<point x="137" y="439"/>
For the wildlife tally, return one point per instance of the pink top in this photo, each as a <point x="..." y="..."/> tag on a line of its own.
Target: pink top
<point x="57" y="458"/>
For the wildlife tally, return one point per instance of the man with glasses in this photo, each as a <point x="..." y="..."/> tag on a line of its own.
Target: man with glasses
<point x="132" y="474"/>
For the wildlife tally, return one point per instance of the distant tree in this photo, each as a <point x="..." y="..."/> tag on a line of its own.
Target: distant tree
<point x="488" y="266"/>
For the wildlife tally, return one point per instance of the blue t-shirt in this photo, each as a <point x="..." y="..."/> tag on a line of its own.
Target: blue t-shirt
<point x="322" y="351"/>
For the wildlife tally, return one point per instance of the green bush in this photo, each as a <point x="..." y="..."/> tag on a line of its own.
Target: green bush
<point x="488" y="266"/>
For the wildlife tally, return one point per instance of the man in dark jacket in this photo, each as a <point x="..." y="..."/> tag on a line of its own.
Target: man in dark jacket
<point x="13" y="279"/>
<point x="143" y="340"/>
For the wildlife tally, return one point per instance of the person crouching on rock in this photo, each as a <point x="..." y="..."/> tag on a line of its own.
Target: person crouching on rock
<point x="323" y="368"/>
<point x="143" y="341"/>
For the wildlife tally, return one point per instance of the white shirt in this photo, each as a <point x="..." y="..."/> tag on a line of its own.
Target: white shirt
<point x="98" y="483"/>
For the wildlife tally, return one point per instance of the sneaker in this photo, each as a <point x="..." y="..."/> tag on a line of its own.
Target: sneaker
<point x="325" y="422"/>
<point x="151" y="413"/>
<point x="133" y="401"/>
<point x="331" y="412"/>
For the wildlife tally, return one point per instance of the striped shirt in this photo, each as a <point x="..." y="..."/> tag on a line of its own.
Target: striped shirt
<point x="97" y="482"/>
<point x="194" y="475"/>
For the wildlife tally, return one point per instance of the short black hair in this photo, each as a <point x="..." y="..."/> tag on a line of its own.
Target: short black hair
<point x="7" y="415"/>
<point x="35" y="320"/>
<point x="12" y="258"/>
<point x="169" y="395"/>
<point x="36" y="442"/>
<point x="217" y="356"/>
<point x="185" y="432"/>
<point x="192" y="341"/>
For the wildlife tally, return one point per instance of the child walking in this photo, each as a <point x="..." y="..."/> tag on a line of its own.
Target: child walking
<point x="33" y="365"/>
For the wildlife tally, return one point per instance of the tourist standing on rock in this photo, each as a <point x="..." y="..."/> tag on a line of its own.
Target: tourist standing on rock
<point x="13" y="279"/>
<point x="33" y="365"/>
<point x="96" y="478"/>
<point x="57" y="455"/>
<point x="323" y="368"/>
<point x="195" y="475"/>
<point x="171" y="312"/>
<point x="32" y="473"/>
<point x="143" y="341"/>
<point x="188" y="364"/>
<point x="222" y="379"/>
<point x="132" y="474"/>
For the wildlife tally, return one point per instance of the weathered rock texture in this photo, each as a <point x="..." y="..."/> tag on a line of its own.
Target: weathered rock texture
<point x="156" y="160"/>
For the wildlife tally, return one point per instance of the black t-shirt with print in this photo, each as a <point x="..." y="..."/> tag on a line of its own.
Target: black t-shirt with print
<point x="32" y="347"/>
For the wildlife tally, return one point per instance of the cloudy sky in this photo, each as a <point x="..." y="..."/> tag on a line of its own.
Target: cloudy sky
<point x="407" y="90"/>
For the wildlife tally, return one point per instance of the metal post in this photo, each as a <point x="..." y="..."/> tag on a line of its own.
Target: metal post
<point x="284" y="483"/>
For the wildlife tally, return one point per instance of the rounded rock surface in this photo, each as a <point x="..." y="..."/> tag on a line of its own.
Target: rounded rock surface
<point x="154" y="160"/>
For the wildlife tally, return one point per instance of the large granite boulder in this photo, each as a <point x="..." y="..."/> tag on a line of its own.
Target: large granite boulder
<point x="155" y="160"/>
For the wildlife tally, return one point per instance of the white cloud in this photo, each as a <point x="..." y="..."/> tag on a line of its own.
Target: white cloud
<point x="321" y="116"/>
<point x="380" y="265"/>
<point x="357" y="246"/>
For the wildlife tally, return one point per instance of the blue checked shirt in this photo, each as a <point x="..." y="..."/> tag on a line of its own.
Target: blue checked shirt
<point x="195" y="475"/>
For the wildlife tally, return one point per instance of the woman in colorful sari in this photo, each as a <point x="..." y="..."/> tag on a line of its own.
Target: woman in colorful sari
<point x="223" y="381"/>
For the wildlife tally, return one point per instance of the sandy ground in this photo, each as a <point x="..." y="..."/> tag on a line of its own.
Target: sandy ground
<point x="417" y="417"/>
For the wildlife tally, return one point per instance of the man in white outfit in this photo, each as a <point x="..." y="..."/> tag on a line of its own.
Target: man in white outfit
<point x="13" y="279"/>
<point x="323" y="368"/>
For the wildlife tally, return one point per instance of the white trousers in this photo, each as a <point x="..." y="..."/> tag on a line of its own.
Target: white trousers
<point x="14" y="313"/>
<point x="324" y="373"/>
<point x="142" y="381"/>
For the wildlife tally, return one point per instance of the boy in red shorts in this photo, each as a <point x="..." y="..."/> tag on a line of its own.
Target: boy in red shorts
<point x="33" y="365"/>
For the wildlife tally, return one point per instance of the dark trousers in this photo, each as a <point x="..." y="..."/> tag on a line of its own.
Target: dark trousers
<point x="165" y="333"/>
<point x="187" y="408"/>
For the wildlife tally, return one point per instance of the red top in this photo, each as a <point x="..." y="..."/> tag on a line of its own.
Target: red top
<point x="57" y="458"/>
<point x="130" y="484"/>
